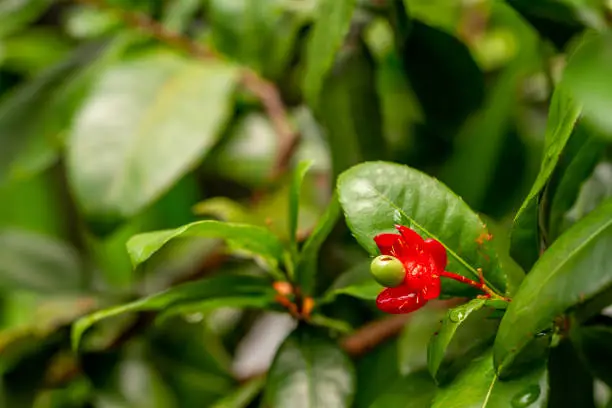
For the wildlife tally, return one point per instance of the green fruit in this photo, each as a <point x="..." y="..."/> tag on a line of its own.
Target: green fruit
<point x="388" y="270"/>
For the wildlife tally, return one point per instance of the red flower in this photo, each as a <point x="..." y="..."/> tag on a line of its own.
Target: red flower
<point x="423" y="261"/>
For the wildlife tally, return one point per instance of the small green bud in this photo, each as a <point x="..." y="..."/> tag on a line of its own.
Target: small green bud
<point x="387" y="270"/>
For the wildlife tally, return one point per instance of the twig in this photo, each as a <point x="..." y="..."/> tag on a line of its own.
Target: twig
<point x="373" y="334"/>
<point x="264" y="90"/>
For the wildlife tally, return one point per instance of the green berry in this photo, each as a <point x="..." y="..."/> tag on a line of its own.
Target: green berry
<point x="388" y="271"/>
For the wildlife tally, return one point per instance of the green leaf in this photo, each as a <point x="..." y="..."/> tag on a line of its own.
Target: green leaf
<point x="573" y="269"/>
<point x="236" y="159"/>
<point x="255" y="240"/>
<point x="295" y="191"/>
<point x="349" y="111"/>
<point x="479" y="387"/>
<point x="218" y="287"/>
<point x="594" y="345"/>
<point x="440" y="341"/>
<point x="146" y="123"/>
<point x="310" y="371"/>
<point x="582" y="163"/>
<point x="332" y="25"/>
<point x="242" y="397"/>
<point x="179" y="14"/>
<point x="480" y="146"/>
<point x="35" y="262"/>
<point x="17" y="14"/>
<point x="377" y="195"/>
<point x="416" y="390"/>
<point x="356" y="282"/>
<point x="29" y="125"/>
<point x="586" y="76"/>
<point x="562" y="117"/>
<point x="376" y="370"/>
<point x="415" y="337"/>
<point x="306" y="269"/>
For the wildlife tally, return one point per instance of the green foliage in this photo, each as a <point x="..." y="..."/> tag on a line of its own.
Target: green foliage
<point x="190" y="192"/>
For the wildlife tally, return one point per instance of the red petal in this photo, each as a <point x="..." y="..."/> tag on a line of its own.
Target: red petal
<point x="399" y="300"/>
<point x="437" y="252"/>
<point x="411" y="237"/>
<point x="385" y="243"/>
<point x="432" y="291"/>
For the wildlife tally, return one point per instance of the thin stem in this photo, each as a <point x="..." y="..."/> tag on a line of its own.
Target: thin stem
<point x="478" y="285"/>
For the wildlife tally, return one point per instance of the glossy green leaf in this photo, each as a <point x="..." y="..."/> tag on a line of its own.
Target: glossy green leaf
<point x="376" y="370"/>
<point x="146" y="123"/>
<point x="377" y="195"/>
<point x="256" y="240"/>
<point x="39" y="263"/>
<point x="440" y="341"/>
<point x="218" y="287"/>
<point x="310" y="371"/>
<point x="416" y="390"/>
<point x="479" y="387"/>
<point x="349" y="111"/>
<point x="356" y="282"/>
<point x="594" y="345"/>
<point x="332" y="25"/>
<point x="562" y="117"/>
<point x="573" y="269"/>
<point x="295" y="192"/>
<point x="306" y="269"/>
<point x="586" y="76"/>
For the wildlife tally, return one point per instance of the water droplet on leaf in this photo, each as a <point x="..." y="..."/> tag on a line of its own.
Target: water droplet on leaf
<point x="526" y="397"/>
<point x="457" y="315"/>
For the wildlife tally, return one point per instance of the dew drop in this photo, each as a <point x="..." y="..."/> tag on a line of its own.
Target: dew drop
<point x="526" y="397"/>
<point x="456" y="316"/>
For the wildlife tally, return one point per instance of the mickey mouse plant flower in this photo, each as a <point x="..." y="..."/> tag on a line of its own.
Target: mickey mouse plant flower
<point x="410" y="268"/>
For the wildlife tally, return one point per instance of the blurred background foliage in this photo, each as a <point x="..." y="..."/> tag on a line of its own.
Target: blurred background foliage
<point x="119" y="117"/>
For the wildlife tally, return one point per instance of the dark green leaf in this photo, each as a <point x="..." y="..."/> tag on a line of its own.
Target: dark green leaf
<point x="306" y="269"/>
<point x="295" y="192"/>
<point x="356" y="282"/>
<point x="594" y="345"/>
<point x="446" y="79"/>
<point x="310" y="371"/>
<point x="377" y="195"/>
<point x="146" y="123"/>
<point x="563" y="114"/>
<point x="586" y="76"/>
<point x="571" y="384"/>
<point x="573" y="269"/>
<point x="349" y="111"/>
<point x="479" y="387"/>
<point x="440" y="341"/>
<point x="582" y="163"/>
<point x="332" y="25"/>
<point x="37" y="263"/>
<point x="480" y="144"/>
<point x="416" y="390"/>
<point x="376" y="371"/>
<point x="218" y="287"/>
<point x="256" y="240"/>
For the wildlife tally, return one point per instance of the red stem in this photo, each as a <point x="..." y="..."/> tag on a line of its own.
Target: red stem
<point x="478" y="285"/>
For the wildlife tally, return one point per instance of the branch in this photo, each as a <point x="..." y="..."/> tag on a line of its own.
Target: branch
<point x="266" y="91"/>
